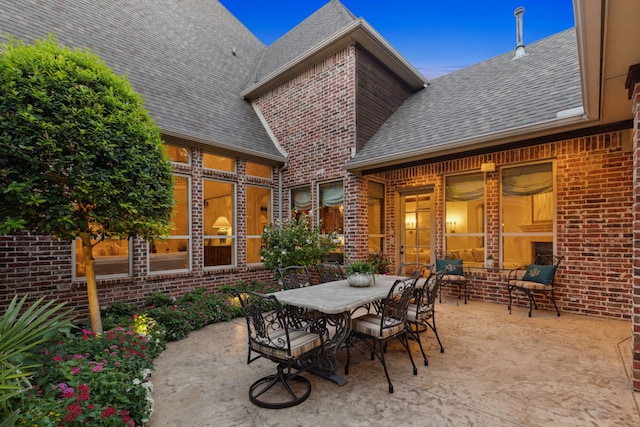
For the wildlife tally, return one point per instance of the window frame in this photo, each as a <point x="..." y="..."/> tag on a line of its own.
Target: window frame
<point x="188" y="237"/>
<point x="554" y="209"/>
<point x="254" y="237"/>
<point x="234" y="221"/>
<point x="74" y="262"/>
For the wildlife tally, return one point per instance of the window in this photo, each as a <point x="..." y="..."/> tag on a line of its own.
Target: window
<point x="300" y="201"/>
<point x="332" y="207"/>
<point x="528" y="209"/>
<point x="112" y="258"/>
<point x="221" y="163"/>
<point x="172" y="252"/>
<point x="464" y="218"/>
<point x="178" y="154"/>
<point x="218" y="223"/>
<point x="259" y="170"/>
<point x="376" y="217"/>
<point x="258" y="216"/>
<point x="331" y="213"/>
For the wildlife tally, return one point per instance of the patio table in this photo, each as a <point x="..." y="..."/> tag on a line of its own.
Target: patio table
<point x="336" y="301"/>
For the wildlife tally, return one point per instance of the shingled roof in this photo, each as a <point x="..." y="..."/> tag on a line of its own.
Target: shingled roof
<point x="322" y="24"/>
<point x="482" y="101"/>
<point x="189" y="59"/>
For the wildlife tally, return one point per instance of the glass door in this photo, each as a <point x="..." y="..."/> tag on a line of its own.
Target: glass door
<point x="416" y="238"/>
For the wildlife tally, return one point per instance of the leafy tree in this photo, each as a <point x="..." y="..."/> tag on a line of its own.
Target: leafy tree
<point x="80" y="157"/>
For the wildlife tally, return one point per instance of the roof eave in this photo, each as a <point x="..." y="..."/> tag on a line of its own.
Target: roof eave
<point x="588" y="17"/>
<point x="358" y="32"/>
<point x="540" y="129"/>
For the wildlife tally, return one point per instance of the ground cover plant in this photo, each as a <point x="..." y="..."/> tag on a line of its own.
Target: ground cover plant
<point x="80" y="377"/>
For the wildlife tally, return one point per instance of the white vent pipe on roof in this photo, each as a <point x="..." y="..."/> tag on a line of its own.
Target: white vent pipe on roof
<point x="519" y="38"/>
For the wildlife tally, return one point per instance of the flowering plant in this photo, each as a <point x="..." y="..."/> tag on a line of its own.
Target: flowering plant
<point x="295" y="242"/>
<point x="94" y="379"/>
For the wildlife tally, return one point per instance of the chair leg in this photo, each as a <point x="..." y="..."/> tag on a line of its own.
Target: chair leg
<point x="260" y="396"/>
<point x="435" y="331"/>
<point x="404" y="339"/>
<point x="416" y="336"/>
<point x="553" y="299"/>
<point x="510" y="289"/>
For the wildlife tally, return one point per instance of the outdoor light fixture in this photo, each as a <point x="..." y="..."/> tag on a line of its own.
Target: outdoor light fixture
<point x="488" y="167"/>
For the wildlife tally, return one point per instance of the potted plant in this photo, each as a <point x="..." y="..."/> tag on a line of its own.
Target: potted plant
<point x="490" y="261"/>
<point x="360" y="273"/>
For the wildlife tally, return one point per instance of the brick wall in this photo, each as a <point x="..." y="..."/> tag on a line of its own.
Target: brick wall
<point x="42" y="265"/>
<point x="594" y="219"/>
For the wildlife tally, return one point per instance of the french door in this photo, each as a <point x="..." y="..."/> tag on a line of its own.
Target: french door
<point x="416" y="237"/>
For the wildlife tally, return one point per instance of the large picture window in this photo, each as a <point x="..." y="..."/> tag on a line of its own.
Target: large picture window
<point x="218" y="223"/>
<point x="173" y="252"/>
<point x="258" y="216"/>
<point x="464" y="218"/>
<point x="376" y="217"/>
<point x="528" y="209"/>
<point x="111" y="258"/>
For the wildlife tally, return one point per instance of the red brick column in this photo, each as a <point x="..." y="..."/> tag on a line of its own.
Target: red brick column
<point x="633" y="85"/>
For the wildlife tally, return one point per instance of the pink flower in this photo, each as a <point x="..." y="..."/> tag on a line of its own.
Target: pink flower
<point x="75" y="370"/>
<point x="58" y="358"/>
<point x="97" y="368"/>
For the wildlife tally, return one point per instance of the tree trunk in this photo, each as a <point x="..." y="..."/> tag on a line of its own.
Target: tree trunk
<point x="92" y="289"/>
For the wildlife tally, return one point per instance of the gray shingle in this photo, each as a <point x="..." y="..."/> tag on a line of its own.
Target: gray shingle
<point x="493" y="96"/>
<point x="321" y="25"/>
<point x="177" y="53"/>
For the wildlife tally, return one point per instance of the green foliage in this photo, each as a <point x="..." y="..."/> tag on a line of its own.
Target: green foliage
<point x="104" y="379"/>
<point x="95" y="379"/>
<point x="362" y="267"/>
<point x="295" y="242"/>
<point x="23" y="329"/>
<point x="78" y="152"/>
<point x="380" y="262"/>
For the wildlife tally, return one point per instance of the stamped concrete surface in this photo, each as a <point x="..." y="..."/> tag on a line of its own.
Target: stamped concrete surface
<point x="497" y="370"/>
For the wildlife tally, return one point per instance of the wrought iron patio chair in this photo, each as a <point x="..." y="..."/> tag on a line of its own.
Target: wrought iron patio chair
<point x="455" y="274"/>
<point x="294" y="343"/>
<point x="376" y="329"/>
<point x="407" y="269"/>
<point x="536" y="279"/>
<point x="295" y="276"/>
<point x="422" y="311"/>
<point x="330" y="271"/>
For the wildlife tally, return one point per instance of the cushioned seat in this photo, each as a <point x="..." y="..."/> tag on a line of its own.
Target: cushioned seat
<point x="286" y="336"/>
<point x="454" y="275"/>
<point x="537" y="278"/>
<point x="376" y="329"/>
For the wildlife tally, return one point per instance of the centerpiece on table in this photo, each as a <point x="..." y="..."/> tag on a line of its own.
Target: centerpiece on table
<point x="360" y="274"/>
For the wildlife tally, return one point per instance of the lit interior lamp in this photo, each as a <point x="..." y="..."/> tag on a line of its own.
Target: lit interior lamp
<point x="224" y="226"/>
<point x="410" y="220"/>
<point x="451" y="226"/>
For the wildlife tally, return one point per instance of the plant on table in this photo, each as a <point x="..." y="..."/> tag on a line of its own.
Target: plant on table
<point x="359" y="267"/>
<point x="380" y="262"/>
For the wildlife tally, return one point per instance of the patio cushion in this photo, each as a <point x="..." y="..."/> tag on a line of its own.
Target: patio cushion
<point x="370" y="325"/>
<point x="450" y="266"/>
<point x="539" y="273"/>
<point x="534" y="286"/>
<point x="301" y="342"/>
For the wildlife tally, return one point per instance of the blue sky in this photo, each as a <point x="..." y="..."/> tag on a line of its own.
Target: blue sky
<point x="435" y="36"/>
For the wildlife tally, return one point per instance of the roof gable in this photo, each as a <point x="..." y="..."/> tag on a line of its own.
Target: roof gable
<point x="478" y="103"/>
<point x="319" y="26"/>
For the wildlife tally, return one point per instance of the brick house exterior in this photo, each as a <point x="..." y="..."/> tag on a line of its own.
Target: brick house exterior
<point x="325" y="113"/>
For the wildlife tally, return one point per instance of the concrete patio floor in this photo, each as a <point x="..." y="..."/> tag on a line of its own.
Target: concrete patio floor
<point x="497" y="370"/>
